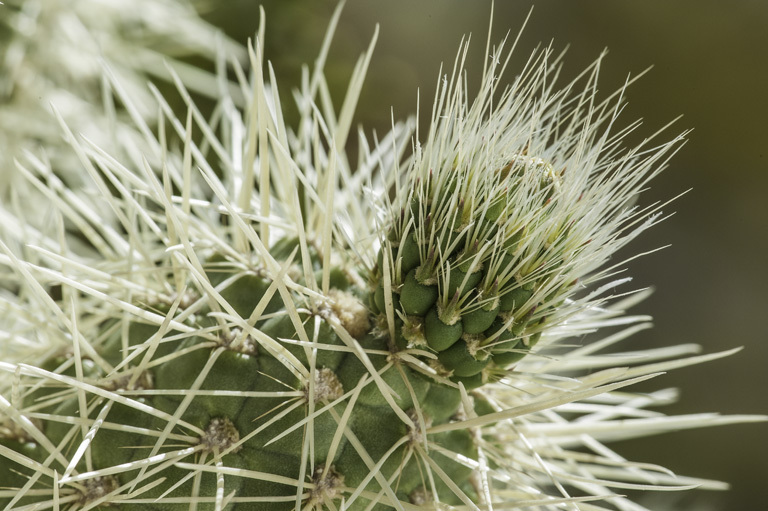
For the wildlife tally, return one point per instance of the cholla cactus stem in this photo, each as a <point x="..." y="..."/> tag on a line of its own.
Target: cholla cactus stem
<point x="220" y="322"/>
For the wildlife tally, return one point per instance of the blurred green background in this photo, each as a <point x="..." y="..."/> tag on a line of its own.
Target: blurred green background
<point x="710" y="63"/>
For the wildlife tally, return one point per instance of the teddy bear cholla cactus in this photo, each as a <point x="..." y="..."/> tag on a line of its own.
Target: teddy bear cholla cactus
<point x="253" y="325"/>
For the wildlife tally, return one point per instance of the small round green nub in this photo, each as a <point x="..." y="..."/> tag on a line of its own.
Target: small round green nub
<point x="503" y="354"/>
<point x="456" y="279"/>
<point x="460" y="359"/>
<point x="515" y="298"/>
<point x="441" y="336"/>
<point x="470" y="382"/>
<point x="416" y="298"/>
<point x="378" y="298"/>
<point x="409" y="251"/>
<point x="510" y="346"/>
<point x="507" y="332"/>
<point x="479" y="320"/>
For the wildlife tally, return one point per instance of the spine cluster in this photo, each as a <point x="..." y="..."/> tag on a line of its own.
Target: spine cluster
<point x="464" y="280"/>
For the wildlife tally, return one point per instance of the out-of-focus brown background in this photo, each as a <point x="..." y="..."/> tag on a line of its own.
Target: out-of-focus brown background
<point x="710" y="61"/>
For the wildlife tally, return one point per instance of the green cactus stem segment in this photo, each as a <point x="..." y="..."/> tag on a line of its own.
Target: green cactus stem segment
<point x="465" y="358"/>
<point x="417" y="298"/>
<point x="460" y="280"/>
<point x="515" y="297"/>
<point x="509" y="352"/>
<point x="440" y="335"/>
<point x="252" y="405"/>
<point x="480" y="319"/>
<point x="409" y="251"/>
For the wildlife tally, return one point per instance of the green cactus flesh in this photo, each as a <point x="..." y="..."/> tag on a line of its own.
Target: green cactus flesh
<point x="248" y="401"/>
<point x="220" y="391"/>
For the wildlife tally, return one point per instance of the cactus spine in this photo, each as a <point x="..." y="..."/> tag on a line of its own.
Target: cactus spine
<point x="247" y="329"/>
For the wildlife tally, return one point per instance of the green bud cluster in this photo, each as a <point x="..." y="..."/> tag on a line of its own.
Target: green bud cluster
<point x="465" y="283"/>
